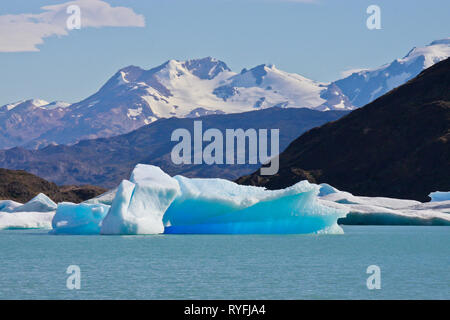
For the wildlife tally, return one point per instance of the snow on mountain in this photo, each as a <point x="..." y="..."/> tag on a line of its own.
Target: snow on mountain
<point x="265" y="86"/>
<point x="55" y="105"/>
<point x="365" y="86"/>
<point x="208" y="86"/>
<point x="24" y="104"/>
<point x="33" y="104"/>
<point x="26" y="120"/>
<point x="134" y="97"/>
<point x="261" y="87"/>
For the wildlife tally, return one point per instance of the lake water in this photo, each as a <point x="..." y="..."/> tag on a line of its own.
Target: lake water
<point x="414" y="263"/>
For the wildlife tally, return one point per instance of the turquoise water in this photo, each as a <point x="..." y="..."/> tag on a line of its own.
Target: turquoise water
<point x="414" y="262"/>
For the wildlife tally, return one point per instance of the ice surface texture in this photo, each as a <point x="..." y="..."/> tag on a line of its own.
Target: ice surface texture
<point x="35" y="214"/>
<point x="26" y="220"/>
<point x="221" y="206"/>
<point x="384" y="211"/>
<point x="80" y="218"/>
<point x="153" y="202"/>
<point x="139" y="205"/>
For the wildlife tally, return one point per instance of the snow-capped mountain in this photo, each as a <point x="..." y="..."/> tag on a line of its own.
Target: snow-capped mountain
<point x="25" y="120"/>
<point x="365" y="86"/>
<point x="207" y="86"/>
<point x="134" y="97"/>
<point x="34" y="103"/>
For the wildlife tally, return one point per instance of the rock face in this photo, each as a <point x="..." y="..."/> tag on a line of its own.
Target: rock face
<point x="105" y="162"/>
<point x="22" y="186"/>
<point x="397" y="146"/>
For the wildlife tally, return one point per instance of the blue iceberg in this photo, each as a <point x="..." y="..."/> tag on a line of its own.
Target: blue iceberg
<point x="140" y="204"/>
<point x="83" y="218"/>
<point x="153" y="202"/>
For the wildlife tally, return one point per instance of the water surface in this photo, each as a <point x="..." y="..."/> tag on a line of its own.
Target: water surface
<point x="414" y="262"/>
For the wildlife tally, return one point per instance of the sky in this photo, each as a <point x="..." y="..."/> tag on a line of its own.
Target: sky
<point x="319" y="39"/>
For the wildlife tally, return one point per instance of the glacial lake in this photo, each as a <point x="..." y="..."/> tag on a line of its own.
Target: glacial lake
<point x="414" y="264"/>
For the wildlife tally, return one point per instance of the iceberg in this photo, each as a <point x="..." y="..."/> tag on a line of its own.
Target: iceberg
<point x="139" y="204"/>
<point x="8" y="205"/>
<point x="105" y="198"/>
<point x="224" y="207"/>
<point x="152" y="202"/>
<point x="35" y="214"/>
<point x="439" y="196"/>
<point x="26" y="220"/>
<point x="40" y="203"/>
<point x="384" y="211"/>
<point x="71" y="218"/>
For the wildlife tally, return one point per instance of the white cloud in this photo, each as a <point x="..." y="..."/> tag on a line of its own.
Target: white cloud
<point x="23" y="32"/>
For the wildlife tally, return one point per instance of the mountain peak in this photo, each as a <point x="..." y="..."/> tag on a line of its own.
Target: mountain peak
<point x="130" y="73"/>
<point x="206" y="68"/>
<point x="414" y="119"/>
<point x="29" y="102"/>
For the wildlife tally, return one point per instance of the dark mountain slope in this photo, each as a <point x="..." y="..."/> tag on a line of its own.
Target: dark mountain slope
<point x="107" y="161"/>
<point x="22" y="186"/>
<point x="397" y="146"/>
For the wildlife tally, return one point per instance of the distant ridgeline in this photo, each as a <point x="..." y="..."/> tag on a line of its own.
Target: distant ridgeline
<point x="397" y="146"/>
<point x="106" y="162"/>
<point x="134" y="97"/>
<point x="22" y="186"/>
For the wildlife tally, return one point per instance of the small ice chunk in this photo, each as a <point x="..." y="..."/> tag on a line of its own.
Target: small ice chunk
<point x="83" y="218"/>
<point x="26" y="220"/>
<point x="8" y="205"/>
<point x="40" y="203"/>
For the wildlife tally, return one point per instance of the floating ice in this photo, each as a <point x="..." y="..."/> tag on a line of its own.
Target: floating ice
<point x="105" y="198"/>
<point x="40" y="203"/>
<point x="153" y="202"/>
<point x="26" y="220"/>
<point x="221" y="206"/>
<point x="8" y="205"/>
<point x="439" y="196"/>
<point x="385" y="211"/>
<point x="35" y="214"/>
<point x="139" y="205"/>
<point x="80" y="218"/>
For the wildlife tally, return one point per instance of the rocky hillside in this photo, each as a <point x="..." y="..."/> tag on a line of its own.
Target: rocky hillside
<point x="105" y="162"/>
<point x="22" y="186"/>
<point x="397" y="146"/>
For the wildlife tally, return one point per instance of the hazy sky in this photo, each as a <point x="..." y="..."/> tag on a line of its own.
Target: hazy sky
<point x="317" y="39"/>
